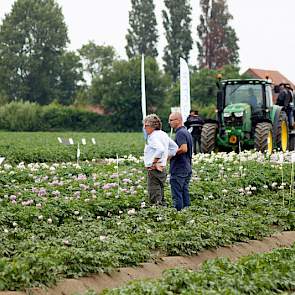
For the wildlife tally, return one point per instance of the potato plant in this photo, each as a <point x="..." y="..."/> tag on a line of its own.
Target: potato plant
<point x="66" y="219"/>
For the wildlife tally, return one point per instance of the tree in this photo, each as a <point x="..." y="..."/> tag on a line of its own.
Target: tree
<point x="217" y="43"/>
<point x="32" y="42"/>
<point x="142" y="35"/>
<point x="96" y="58"/>
<point x="118" y="91"/>
<point x="177" y="25"/>
<point x="70" y="76"/>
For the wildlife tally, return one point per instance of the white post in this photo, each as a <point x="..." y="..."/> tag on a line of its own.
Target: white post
<point x="292" y="177"/>
<point x="78" y="153"/>
<point x="118" y="178"/>
<point x="281" y="160"/>
<point x="143" y="97"/>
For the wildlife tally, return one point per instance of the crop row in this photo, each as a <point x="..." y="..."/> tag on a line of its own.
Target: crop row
<point x="270" y="273"/>
<point x="68" y="220"/>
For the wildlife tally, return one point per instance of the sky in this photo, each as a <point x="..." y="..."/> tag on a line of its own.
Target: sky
<point x="265" y="28"/>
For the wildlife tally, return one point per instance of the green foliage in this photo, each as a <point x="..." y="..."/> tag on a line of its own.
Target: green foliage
<point x="3" y="98"/>
<point x="96" y="58"/>
<point x="118" y="90"/>
<point x="19" y="116"/>
<point x="67" y="118"/>
<point x="142" y="35"/>
<point x="69" y="220"/>
<point x="268" y="273"/>
<point x="205" y="111"/>
<point x="44" y="147"/>
<point x="217" y="43"/>
<point x="177" y="25"/>
<point x="71" y="74"/>
<point x="33" y="37"/>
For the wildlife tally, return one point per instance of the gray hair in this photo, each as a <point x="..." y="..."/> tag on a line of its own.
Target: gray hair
<point x="153" y="121"/>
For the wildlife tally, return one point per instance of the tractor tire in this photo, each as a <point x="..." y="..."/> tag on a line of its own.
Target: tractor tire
<point x="263" y="138"/>
<point x="281" y="132"/>
<point x="291" y="142"/>
<point x="208" y="137"/>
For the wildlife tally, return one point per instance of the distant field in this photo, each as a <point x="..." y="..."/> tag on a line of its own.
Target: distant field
<point x="44" y="146"/>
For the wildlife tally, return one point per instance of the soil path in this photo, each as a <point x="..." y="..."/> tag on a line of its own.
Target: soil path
<point x="154" y="269"/>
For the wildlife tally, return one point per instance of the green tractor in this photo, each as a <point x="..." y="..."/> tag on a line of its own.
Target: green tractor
<point x="247" y="119"/>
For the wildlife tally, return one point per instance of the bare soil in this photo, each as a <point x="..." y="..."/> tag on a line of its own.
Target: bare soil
<point x="154" y="269"/>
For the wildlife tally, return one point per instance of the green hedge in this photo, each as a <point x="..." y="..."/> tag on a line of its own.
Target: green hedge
<point x="26" y="116"/>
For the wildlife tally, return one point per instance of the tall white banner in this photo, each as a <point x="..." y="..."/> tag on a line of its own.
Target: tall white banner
<point x="185" y="98"/>
<point x="143" y="98"/>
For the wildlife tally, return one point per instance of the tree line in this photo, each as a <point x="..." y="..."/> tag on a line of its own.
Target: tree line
<point x="35" y="65"/>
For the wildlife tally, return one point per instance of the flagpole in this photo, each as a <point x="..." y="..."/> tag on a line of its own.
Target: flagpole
<point x="143" y="96"/>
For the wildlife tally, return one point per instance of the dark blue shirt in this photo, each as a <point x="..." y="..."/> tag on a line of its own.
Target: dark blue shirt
<point x="182" y="164"/>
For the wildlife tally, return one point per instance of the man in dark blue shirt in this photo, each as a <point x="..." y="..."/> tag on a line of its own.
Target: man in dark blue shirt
<point x="181" y="163"/>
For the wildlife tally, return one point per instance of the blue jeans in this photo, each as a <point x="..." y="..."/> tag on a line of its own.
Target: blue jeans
<point x="179" y="189"/>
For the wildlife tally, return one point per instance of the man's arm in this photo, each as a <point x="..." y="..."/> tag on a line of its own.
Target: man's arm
<point x="182" y="143"/>
<point x="182" y="149"/>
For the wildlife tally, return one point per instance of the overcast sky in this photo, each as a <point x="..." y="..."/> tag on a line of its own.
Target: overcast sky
<point x="265" y="28"/>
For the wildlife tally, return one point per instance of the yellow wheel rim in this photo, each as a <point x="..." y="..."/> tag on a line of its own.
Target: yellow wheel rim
<point x="284" y="136"/>
<point x="269" y="142"/>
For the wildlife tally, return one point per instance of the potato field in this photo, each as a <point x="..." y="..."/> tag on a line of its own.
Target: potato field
<point x="60" y="218"/>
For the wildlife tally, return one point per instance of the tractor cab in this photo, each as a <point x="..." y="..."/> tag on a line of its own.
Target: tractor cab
<point x="250" y="97"/>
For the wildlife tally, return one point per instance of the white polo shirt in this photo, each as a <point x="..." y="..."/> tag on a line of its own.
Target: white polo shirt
<point x="159" y="145"/>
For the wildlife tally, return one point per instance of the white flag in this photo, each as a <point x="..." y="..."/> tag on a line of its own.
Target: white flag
<point x="185" y="98"/>
<point x="143" y="98"/>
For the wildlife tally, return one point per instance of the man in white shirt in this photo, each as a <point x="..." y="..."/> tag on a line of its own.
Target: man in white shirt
<point x="159" y="147"/>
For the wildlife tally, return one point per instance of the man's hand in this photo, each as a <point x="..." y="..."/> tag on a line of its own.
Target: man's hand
<point x="156" y="160"/>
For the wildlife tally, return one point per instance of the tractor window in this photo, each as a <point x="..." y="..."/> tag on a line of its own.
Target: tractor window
<point x="244" y="93"/>
<point x="268" y="93"/>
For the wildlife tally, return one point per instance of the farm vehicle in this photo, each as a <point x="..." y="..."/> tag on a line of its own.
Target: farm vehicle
<point x="246" y="118"/>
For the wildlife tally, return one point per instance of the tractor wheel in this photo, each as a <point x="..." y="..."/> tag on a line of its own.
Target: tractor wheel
<point x="292" y="142"/>
<point x="263" y="137"/>
<point x="282" y="132"/>
<point x="208" y="138"/>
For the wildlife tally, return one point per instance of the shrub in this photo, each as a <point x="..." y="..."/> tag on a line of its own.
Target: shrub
<point x="27" y="116"/>
<point x="20" y="116"/>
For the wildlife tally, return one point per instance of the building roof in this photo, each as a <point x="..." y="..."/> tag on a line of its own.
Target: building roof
<point x="275" y="76"/>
